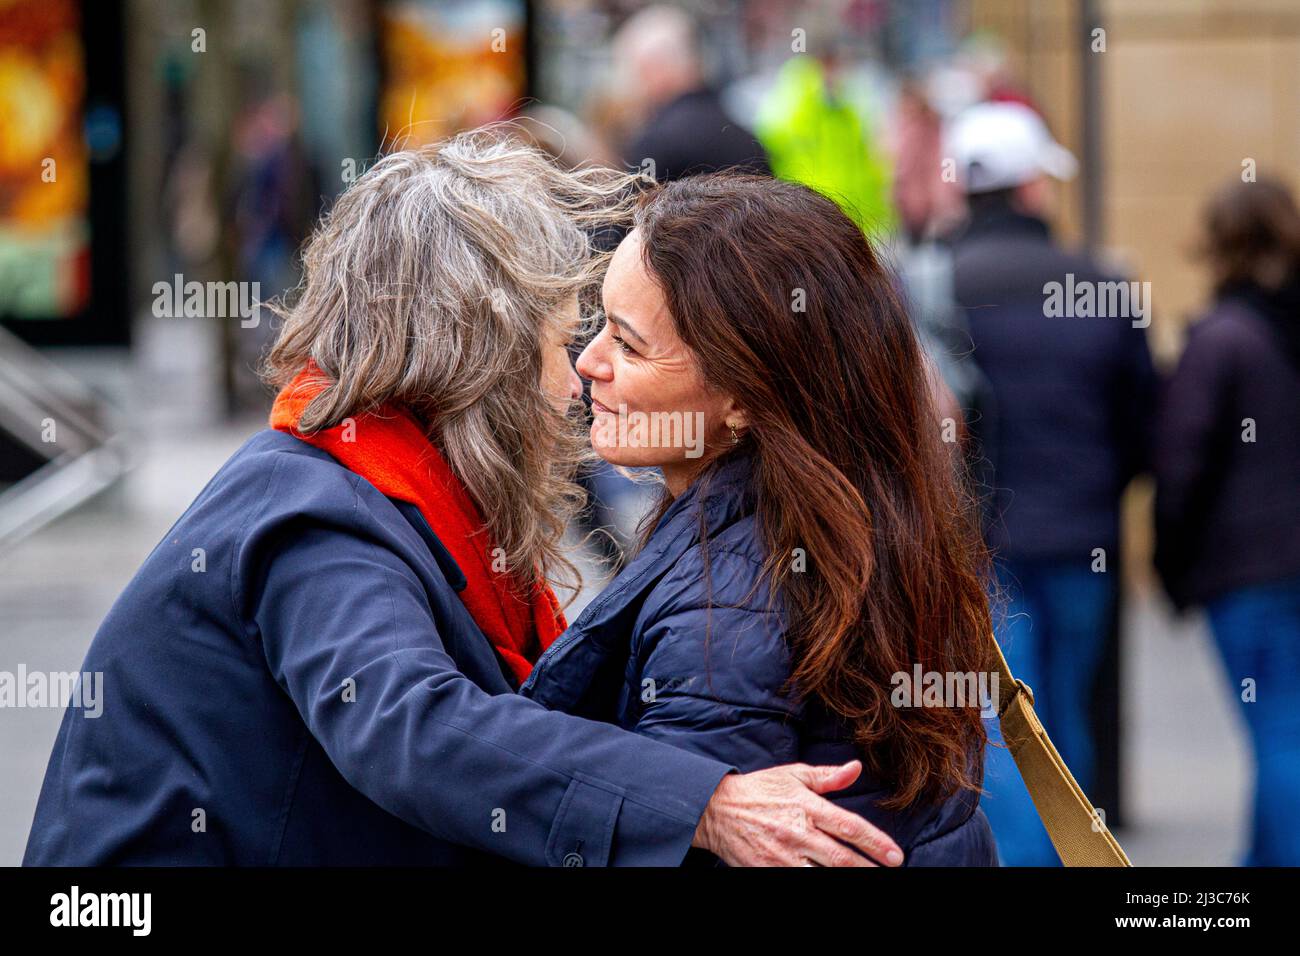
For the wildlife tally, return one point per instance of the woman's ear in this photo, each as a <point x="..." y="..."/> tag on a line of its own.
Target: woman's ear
<point x="733" y="416"/>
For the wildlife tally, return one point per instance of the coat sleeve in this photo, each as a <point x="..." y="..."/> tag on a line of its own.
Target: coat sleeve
<point x="711" y="678"/>
<point x="348" y="633"/>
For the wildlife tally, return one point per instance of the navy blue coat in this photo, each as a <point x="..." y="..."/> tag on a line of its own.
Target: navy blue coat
<point x="639" y="656"/>
<point x="1069" y="416"/>
<point x="228" y="737"/>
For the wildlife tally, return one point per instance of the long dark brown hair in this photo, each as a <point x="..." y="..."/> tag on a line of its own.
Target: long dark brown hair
<point x="786" y="307"/>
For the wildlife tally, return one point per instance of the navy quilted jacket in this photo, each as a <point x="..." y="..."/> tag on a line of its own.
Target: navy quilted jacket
<point x="639" y="656"/>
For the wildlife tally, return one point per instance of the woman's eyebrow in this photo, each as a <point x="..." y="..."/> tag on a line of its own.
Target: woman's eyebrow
<point x="623" y="324"/>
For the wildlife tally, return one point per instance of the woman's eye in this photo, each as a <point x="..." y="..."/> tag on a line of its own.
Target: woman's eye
<point x="623" y="346"/>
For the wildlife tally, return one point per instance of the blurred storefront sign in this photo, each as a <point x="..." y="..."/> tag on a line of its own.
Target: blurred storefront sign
<point x="62" y="275"/>
<point x="450" y="65"/>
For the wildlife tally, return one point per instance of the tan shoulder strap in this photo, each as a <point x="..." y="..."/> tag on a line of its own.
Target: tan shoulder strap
<point x="1078" y="832"/>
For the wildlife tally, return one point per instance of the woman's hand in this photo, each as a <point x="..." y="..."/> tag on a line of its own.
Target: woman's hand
<point x="776" y="818"/>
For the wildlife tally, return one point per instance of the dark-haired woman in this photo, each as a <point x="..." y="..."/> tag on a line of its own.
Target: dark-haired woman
<point x="1227" y="473"/>
<point x="814" y="549"/>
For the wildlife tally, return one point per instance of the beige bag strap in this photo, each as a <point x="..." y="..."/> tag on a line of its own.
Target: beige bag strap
<point x="1078" y="832"/>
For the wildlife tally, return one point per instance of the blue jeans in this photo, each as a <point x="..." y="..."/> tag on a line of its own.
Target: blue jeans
<point x="1053" y="636"/>
<point x="1257" y="630"/>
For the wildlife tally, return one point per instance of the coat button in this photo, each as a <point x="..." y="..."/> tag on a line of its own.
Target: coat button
<point x="574" y="859"/>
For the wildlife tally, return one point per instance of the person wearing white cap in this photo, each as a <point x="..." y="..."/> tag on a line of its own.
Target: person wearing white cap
<point x="1066" y="425"/>
<point x="1006" y="145"/>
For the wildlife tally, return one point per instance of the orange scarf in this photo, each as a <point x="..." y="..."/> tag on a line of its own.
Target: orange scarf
<point x="390" y="450"/>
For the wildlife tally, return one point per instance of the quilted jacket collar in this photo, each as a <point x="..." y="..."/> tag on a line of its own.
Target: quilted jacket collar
<point x="587" y="659"/>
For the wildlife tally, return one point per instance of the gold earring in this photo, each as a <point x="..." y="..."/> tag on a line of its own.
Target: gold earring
<point x="735" y="439"/>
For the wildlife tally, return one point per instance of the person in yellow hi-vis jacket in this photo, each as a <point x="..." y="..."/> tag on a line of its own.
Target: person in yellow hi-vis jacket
<point x="816" y="136"/>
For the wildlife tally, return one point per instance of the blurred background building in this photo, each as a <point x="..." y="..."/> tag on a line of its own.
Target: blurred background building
<point x="147" y="144"/>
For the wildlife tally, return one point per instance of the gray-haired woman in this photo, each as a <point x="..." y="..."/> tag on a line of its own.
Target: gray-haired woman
<point x="338" y="687"/>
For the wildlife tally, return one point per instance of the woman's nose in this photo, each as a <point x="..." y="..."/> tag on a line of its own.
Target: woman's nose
<point x="575" y="385"/>
<point x="590" y="363"/>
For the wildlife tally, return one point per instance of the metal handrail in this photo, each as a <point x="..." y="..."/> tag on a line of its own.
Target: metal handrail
<point x="85" y="458"/>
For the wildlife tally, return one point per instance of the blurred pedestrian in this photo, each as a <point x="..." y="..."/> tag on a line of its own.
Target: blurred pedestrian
<point x="687" y="130"/>
<point x="928" y="204"/>
<point x="1228" y="472"/>
<point x="930" y="208"/>
<point x="817" y="133"/>
<point x="1067" y="426"/>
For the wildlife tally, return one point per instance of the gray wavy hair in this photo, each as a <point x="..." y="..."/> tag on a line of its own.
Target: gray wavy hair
<point x="433" y="283"/>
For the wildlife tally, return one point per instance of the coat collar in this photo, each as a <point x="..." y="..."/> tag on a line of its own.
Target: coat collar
<point x="567" y="675"/>
<point x="441" y="556"/>
<point x="1003" y="221"/>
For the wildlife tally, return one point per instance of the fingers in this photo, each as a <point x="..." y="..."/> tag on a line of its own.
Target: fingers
<point x="852" y="829"/>
<point x="842" y="826"/>
<point x="828" y="779"/>
<point x="821" y="850"/>
<point x="777" y="817"/>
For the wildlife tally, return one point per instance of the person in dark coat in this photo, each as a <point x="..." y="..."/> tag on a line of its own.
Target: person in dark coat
<point x="317" y="665"/>
<point x="813" y="550"/>
<point x="1064" y="424"/>
<point x="1228" y="486"/>
<point x="688" y="130"/>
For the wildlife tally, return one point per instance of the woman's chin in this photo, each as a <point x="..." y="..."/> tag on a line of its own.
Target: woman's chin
<point x="620" y="455"/>
<point x="610" y="453"/>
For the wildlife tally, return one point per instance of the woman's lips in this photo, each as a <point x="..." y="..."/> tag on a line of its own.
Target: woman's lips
<point x="600" y="408"/>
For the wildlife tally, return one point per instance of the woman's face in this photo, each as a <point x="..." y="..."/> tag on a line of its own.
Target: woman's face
<point x="650" y="402"/>
<point x="560" y="382"/>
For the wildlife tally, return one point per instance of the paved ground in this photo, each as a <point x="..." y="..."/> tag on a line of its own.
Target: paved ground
<point x="1186" y="768"/>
